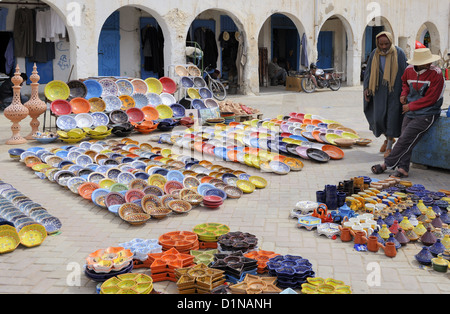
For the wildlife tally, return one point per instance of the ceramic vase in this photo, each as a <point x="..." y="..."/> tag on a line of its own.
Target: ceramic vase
<point x="428" y="238"/>
<point x="401" y="237"/>
<point x="16" y="111"/>
<point x="36" y="107"/>
<point x="331" y="196"/>
<point x="437" y="248"/>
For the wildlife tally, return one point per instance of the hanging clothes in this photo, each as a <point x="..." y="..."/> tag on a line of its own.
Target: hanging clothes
<point x="44" y="49"/>
<point x="24" y="31"/>
<point x="3" y="16"/>
<point x="230" y="47"/>
<point x="304" y="55"/>
<point x="49" y="26"/>
<point x="9" y="57"/>
<point x="207" y="42"/>
<point x="152" y="40"/>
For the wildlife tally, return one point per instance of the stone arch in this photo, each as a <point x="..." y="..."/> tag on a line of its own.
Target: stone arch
<point x="429" y="28"/>
<point x="345" y="47"/>
<point x="132" y="65"/>
<point x="232" y="75"/>
<point x="264" y="40"/>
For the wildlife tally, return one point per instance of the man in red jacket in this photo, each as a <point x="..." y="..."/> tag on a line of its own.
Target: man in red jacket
<point x="422" y="99"/>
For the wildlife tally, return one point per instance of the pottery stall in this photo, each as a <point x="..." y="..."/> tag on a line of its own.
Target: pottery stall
<point x="381" y="215"/>
<point x="99" y="107"/>
<point x="23" y="221"/>
<point x="138" y="182"/>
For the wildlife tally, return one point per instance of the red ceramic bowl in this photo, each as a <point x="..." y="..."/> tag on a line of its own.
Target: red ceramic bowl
<point x="135" y="115"/>
<point x="212" y="199"/>
<point x="169" y="85"/>
<point x="60" y="107"/>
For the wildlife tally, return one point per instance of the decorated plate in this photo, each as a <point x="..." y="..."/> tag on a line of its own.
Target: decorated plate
<point x="154" y="99"/>
<point x="154" y="85"/>
<point x="140" y="100"/>
<point x="94" y="88"/>
<point x="193" y="93"/>
<point x="112" y="103"/>
<point x="279" y="167"/>
<point x="51" y="224"/>
<point x="57" y="90"/>
<point x="169" y="85"/>
<point x="187" y="82"/>
<point x="32" y="235"/>
<point x="167" y="99"/>
<point x="80" y="105"/>
<point x="318" y="155"/>
<point x="66" y="122"/>
<point x="100" y="119"/>
<point x="165" y="112"/>
<point x="205" y="93"/>
<point x="293" y="163"/>
<point x="198" y="104"/>
<point x="127" y="102"/>
<point x="84" y="120"/>
<point x="109" y="87"/>
<point x="246" y="186"/>
<point x="9" y="239"/>
<point x="140" y="86"/>
<point x="97" y="104"/>
<point x="77" y="89"/>
<point x="125" y="87"/>
<point x="178" y="110"/>
<point x="150" y="113"/>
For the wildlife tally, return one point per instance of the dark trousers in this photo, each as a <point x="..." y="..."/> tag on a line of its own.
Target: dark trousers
<point x="412" y="131"/>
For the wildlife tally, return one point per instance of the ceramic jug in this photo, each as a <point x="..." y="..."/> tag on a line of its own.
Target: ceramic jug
<point x="373" y="245"/>
<point x="389" y="249"/>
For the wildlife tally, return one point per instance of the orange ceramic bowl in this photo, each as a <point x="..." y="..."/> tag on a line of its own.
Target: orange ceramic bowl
<point x="80" y="105"/>
<point x="150" y="113"/>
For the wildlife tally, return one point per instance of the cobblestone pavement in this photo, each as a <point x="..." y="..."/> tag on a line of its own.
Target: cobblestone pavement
<point x="56" y="266"/>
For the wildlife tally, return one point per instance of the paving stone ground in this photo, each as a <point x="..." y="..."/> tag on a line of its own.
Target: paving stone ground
<point x="56" y="266"/>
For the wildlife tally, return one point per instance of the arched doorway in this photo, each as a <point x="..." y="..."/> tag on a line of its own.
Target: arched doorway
<point x="131" y="44"/>
<point x="428" y="35"/>
<point x="376" y="26"/>
<point x="334" y="41"/>
<point x="219" y="36"/>
<point x="283" y="37"/>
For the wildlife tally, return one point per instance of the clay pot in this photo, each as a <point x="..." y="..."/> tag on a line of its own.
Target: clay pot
<point x="389" y="249"/>
<point x="345" y="234"/>
<point x="359" y="237"/>
<point x="373" y="245"/>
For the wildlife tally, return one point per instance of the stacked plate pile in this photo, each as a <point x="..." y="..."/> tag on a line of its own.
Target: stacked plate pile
<point x="141" y="248"/>
<point x="237" y="241"/>
<point x="128" y="284"/>
<point x="235" y="265"/>
<point x="209" y="233"/>
<point x="104" y="264"/>
<point x="262" y="257"/>
<point x="163" y="265"/>
<point x="291" y="271"/>
<point x="198" y="279"/>
<point x="182" y="241"/>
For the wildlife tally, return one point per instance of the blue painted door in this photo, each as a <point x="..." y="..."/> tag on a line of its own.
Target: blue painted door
<point x="109" y="47"/>
<point x="325" y="50"/>
<point x="45" y="71"/>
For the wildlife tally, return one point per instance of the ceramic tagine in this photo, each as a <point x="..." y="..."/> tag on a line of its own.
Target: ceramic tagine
<point x="35" y="106"/>
<point x="424" y="257"/>
<point x="428" y="238"/>
<point x="440" y="264"/>
<point x="16" y="111"/>
<point x="437" y="248"/>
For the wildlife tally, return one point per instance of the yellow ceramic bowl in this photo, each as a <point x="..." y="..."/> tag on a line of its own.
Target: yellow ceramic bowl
<point x="246" y="186"/>
<point x="258" y="182"/>
<point x="154" y="85"/>
<point x="165" y="112"/>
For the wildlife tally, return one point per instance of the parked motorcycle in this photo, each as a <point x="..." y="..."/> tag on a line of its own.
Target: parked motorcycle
<point x="320" y="78"/>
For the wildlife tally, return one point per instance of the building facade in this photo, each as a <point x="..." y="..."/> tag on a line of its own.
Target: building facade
<point x="105" y="38"/>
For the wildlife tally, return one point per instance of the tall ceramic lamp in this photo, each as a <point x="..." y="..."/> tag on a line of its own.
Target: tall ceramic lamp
<point x="16" y="111"/>
<point x="35" y="106"/>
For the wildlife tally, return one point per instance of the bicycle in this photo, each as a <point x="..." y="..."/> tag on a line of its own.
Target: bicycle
<point x="215" y="86"/>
